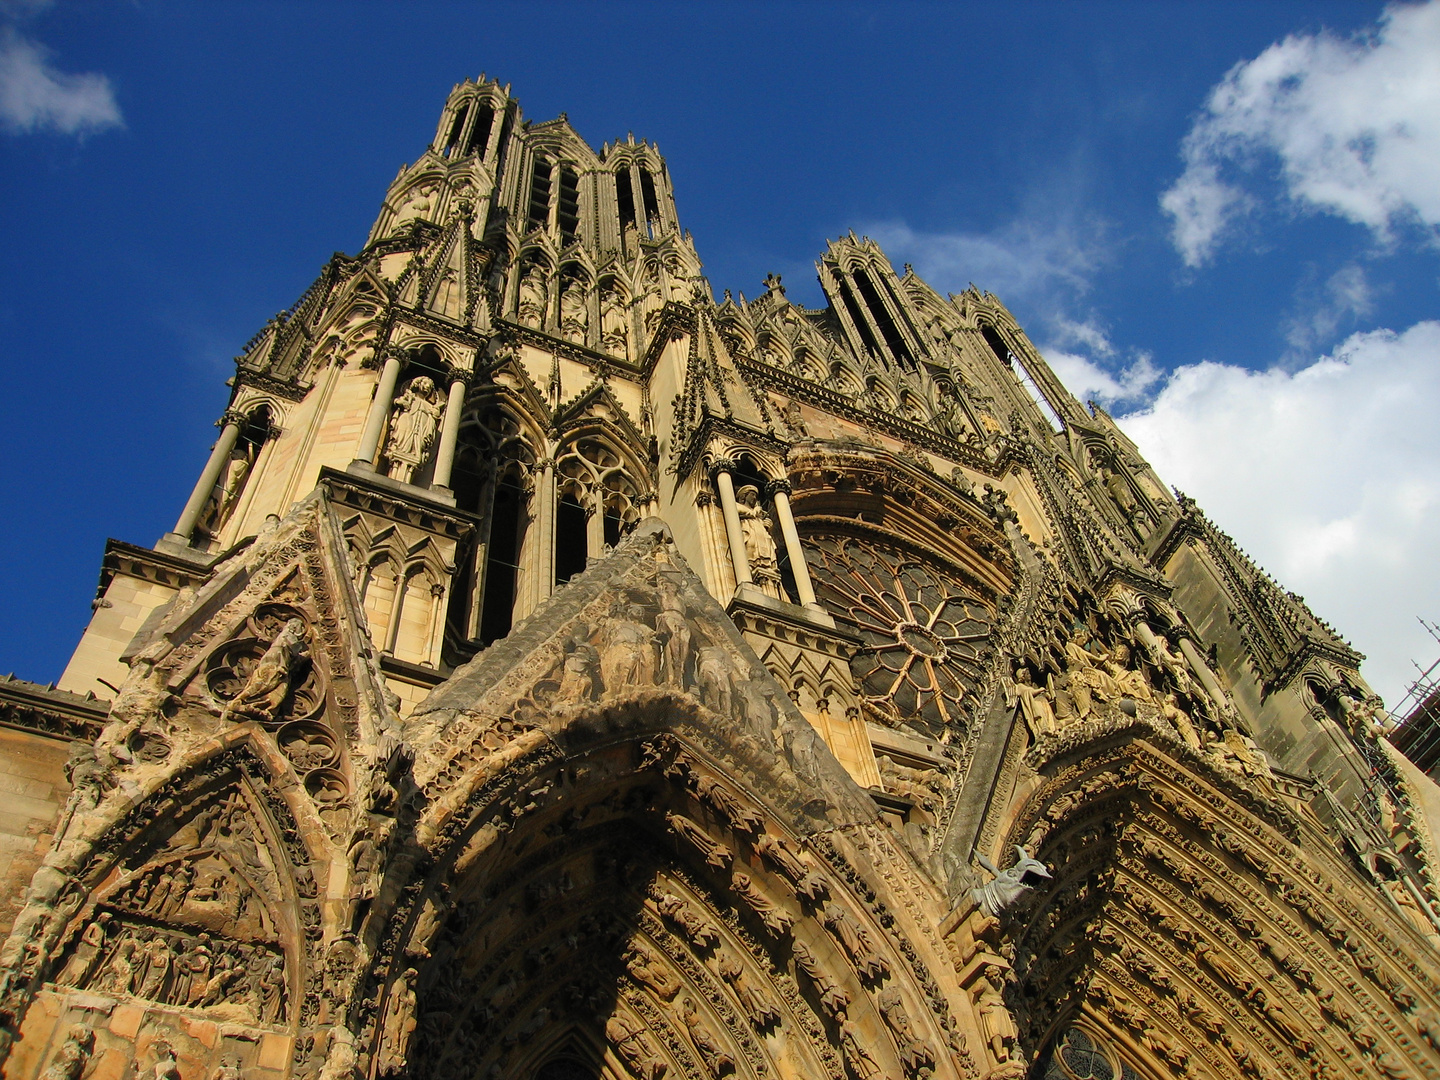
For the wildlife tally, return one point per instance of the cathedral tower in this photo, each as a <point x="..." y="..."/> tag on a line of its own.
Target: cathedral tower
<point x="557" y="672"/>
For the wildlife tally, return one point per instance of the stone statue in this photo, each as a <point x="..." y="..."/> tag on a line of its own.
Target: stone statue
<point x="1034" y="703"/>
<point x="88" y="771"/>
<point x="574" y="316"/>
<point x="533" y="297"/>
<point x="856" y="941"/>
<point x="74" y="1054"/>
<point x="755" y="527"/>
<point x="613" y="338"/>
<point x="92" y="944"/>
<point x="1008" y="885"/>
<point x="833" y="997"/>
<point x="414" y="420"/>
<point x="1179" y="719"/>
<point x="717" y="1059"/>
<point x="648" y="970"/>
<point x="269" y="683"/>
<point x="629" y="656"/>
<point x="775" y="918"/>
<point x="228" y="489"/>
<point x="400" y="1020"/>
<point x="716" y="854"/>
<point x="996" y="1023"/>
<point x="634" y="1048"/>
<point x="762" y="1012"/>
<point x="788" y="861"/>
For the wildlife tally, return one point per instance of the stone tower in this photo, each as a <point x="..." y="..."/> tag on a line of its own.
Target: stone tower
<point x="556" y="673"/>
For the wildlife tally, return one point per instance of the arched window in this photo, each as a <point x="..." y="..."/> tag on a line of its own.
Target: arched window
<point x="625" y="195"/>
<point x="568" y="212"/>
<point x="652" y="204"/>
<point x="881" y="314"/>
<point x="571" y="539"/>
<point x="1006" y="356"/>
<point x="540" y="177"/>
<point x="480" y="134"/>
<point x="456" y="130"/>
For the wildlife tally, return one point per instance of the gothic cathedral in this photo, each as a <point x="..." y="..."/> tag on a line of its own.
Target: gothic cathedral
<point x="559" y="674"/>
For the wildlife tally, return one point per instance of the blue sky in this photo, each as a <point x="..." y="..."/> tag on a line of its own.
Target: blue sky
<point x="1218" y="219"/>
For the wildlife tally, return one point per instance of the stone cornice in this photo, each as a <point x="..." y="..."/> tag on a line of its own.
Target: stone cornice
<point x="601" y="363"/>
<point x="148" y="564"/>
<point x="44" y="710"/>
<point x="383" y="497"/>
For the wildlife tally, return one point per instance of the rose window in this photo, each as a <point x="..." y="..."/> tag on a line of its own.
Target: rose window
<point x="924" y="632"/>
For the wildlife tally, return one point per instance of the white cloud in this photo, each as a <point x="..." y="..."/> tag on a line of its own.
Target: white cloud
<point x="1329" y="476"/>
<point x="1354" y="123"/>
<point x="1027" y="261"/>
<point x="1346" y="296"/>
<point x="34" y="96"/>
<point x="1109" y="385"/>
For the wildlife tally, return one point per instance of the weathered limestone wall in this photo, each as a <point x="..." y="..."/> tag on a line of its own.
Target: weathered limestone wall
<point x="32" y="791"/>
<point x="129" y="601"/>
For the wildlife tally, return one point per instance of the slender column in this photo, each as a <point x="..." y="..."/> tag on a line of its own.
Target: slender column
<point x="545" y="520"/>
<point x="733" y="534"/>
<point x="595" y="526"/>
<point x="1204" y="674"/>
<point x="379" y="410"/>
<point x="450" y="429"/>
<point x="209" y="476"/>
<point x="780" y="494"/>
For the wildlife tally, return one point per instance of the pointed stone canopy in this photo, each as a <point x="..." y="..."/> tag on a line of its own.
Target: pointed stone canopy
<point x="638" y="629"/>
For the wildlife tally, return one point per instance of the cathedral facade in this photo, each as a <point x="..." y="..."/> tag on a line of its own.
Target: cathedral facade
<point x="559" y="673"/>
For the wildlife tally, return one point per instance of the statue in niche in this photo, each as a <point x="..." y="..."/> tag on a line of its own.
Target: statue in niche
<point x="852" y="1047"/>
<point x="694" y="928"/>
<point x="613" y="338"/>
<point x="775" y="918"/>
<point x="534" y="295"/>
<point x="1034" y="702"/>
<point x="915" y="1055"/>
<point x="716" y="854"/>
<point x="1179" y="719"/>
<point x="228" y="489"/>
<point x="574" y="315"/>
<point x="269" y="683"/>
<point x="1129" y="681"/>
<point x="996" y="1023"/>
<point x="72" y="1057"/>
<point x="648" y="970"/>
<point x="856" y="940"/>
<point x="755" y="528"/>
<point x="634" y="1048"/>
<point x="761" y="1011"/>
<point x="716" y="1058"/>
<point x="414" y="420"/>
<point x="416" y="204"/>
<point x="834" y="998"/>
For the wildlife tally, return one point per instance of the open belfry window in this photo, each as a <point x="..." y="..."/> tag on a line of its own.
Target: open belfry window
<point x="457" y="129"/>
<point x="652" y="204"/>
<point x="625" y="196"/>
<point x="881" y="314"/>
<point x="1006" y="356"/>
<point x="540" y="177"/>
<point x="480" y="133"/>
<point x="502" y="557"/>
<point x="571" y="546"/>
<point x="568" y="213"/>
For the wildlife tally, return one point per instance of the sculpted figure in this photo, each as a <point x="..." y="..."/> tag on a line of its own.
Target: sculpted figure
<point x="1034" y="703"/>
<point x="399" y="1025"/>
<point x="1129" y="681"/>
<point x="715" y="1056"/>
<point x="716" y="854"/>
<point x="915" y="1054"/>
<point x="92" y="945"/>
<point x="1179" y="719"/>
<point x="856" y="941"/>
<point x="743" y="818"/>
<point x="776" y="918"/>
<point x="577" y="680"/>
<point x="574" y="318"/>
<point x="158" y="959"/>
<point x="228" y="489"/>
<point x="807" y="883"/>
<point x="755" y="527"/>
<point x="995" y="1020"/>
<point x="629" y="658"/>
<point x="762" y="1012"/>
<point x="414" y="421"/>
<point x="72" y="1057"/>
<point x="269" y="683"/>
<point x="695" y="929"/>
<point x="852" y="1047"/>
<point x="649" y="971"/>
<point x="673" y="629"/>
<point x="197" y="964"/>
<point x="634" y="1048"/>
<point x="612" y="324"/>
<point x="88" y="771"/>
<point x="833" y="997"/>
<point x="714" y="674"/>
<point x="1087" y="680"/>
<point x="119" y="973"/>
<point x="533" y="297"/>
<point x="1008" y="885"/>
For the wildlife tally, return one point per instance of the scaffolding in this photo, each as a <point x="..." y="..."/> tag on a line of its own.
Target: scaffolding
<point x="1417" y="736"/>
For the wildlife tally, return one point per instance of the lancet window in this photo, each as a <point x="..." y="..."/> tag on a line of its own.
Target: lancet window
<point x="597" y="504"/>
<point x="1001" y="348"/>
<point x="568" y="211"/>
<point x="540" y="177"/>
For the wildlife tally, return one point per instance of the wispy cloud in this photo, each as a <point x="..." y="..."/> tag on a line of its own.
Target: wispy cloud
<point x="1321" y="312"/>
<point x="1354" y="124"/>
<point x="36" y="96"/>
<point x="1329" y="475"/>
